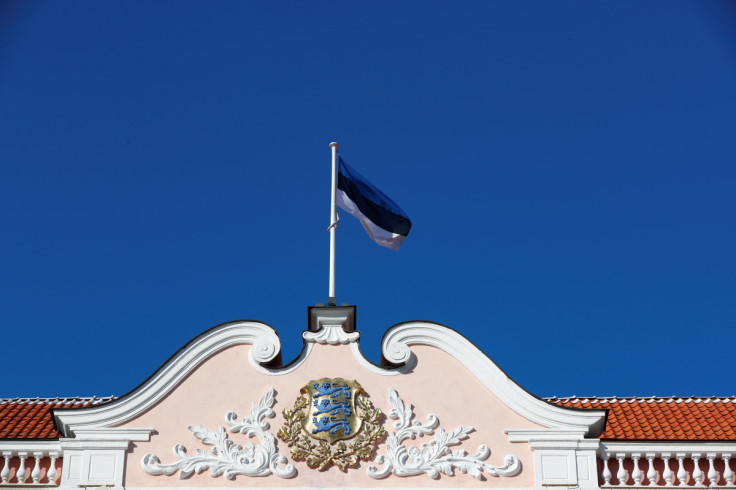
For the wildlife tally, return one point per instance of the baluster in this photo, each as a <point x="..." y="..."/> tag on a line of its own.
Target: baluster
<point x="697" y="474"/>
<point x="712" y="474"/>
<point x="22" y="472"/>
<point x="5" y="474"/>
<point x="621" y="473"/>
<point x="606" y="471"/>
<point x="36" y="473"/>
<point x="681" y="473"/>
<point x="667" y="473"/>
<point x="52" y="473"/>
<point x="727" y="473"/>
<point x="636" y="474"/>
<point x="651" y="472"/>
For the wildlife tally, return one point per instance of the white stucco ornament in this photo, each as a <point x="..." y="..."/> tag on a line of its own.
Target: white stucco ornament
<point x="436" y="457"/>
<point x="227" y="457"/>
<point x="331" y="335"/>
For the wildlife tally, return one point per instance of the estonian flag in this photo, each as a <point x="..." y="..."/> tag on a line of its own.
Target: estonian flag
<point x="386" y="223"/>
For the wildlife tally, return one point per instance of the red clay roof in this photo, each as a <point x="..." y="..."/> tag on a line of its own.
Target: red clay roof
<point x="30" y="418"/>
<point x="652" y="418"/>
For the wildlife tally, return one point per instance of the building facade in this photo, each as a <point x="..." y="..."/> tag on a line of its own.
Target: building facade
<point x="224" y="411"/>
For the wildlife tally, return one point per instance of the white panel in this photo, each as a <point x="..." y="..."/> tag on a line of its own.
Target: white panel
<point x="583" y="473"/>
<point x="75" y="466"/>
<point x="101" y="467"/>
<point x="554" y="467"/>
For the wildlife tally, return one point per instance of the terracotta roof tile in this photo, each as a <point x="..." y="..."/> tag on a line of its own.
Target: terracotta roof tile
<point x="645" y="418"/>
<point x="660" y="418"/>
<point x="30" y="418"/>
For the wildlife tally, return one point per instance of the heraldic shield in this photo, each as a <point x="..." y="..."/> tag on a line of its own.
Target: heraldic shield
<point x="332" y="415"/>
<point x="318" y="426"/>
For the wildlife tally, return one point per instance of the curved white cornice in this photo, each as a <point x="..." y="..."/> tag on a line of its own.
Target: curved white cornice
<point x="396" y="348"/>
<point x="266" y="346"/>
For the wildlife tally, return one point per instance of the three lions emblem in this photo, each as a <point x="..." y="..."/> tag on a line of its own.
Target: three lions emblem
<point x="332" y="423"/>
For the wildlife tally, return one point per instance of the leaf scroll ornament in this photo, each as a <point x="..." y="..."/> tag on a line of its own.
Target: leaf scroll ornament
<point x="436" y="457"/>
<point x="228" y="458"/>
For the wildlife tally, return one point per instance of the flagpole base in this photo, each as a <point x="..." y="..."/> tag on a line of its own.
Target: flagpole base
<point x="332" y="301"/>
<point x="324" y="316"/>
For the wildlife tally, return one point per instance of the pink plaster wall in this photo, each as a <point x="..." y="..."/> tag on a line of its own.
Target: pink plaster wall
<point x="227" y="382"/>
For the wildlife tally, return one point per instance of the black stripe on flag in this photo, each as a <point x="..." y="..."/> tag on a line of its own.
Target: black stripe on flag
<point x="385" y="218"/>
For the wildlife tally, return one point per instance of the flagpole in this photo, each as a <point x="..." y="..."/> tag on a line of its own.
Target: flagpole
<point x="332" y="300"/>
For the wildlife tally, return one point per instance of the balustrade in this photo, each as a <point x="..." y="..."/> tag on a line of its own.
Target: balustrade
<point x="660" y="469"/>
<point x="29" y="468"/>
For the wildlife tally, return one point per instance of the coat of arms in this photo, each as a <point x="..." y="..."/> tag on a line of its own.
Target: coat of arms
<point x="332" y="423"/>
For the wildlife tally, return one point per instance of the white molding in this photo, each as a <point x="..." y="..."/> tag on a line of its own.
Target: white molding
<point x="107" y="434"/>
<point x="28" y="445"/>
<point x="369" y="366"/>
<point x="583" y="444"/>
<point x="396" y="349"/>
<point x="266" y="346"/>
<point x="67" y="444"/>
<point x="280" y="371"/>
<point x="684" y="448"/>
<point x="528" y="435"/>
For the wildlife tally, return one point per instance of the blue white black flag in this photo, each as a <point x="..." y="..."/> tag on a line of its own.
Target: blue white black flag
<point x="386" y="223"/>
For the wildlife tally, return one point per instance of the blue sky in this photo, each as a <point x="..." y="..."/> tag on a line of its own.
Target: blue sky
<point x="568" y="167"/>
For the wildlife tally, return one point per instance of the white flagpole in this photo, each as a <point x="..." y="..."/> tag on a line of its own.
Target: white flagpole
<point x="332" y="300"/>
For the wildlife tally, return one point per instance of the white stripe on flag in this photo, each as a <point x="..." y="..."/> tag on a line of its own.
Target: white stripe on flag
<point x="382" y="237"/>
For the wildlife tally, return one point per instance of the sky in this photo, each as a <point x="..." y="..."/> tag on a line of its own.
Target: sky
<point x="568" y="168"/>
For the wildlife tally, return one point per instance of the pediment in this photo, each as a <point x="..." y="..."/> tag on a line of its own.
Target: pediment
<point x="225" y="407"/>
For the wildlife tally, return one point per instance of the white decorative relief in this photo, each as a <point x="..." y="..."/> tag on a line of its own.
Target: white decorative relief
<point x="332" y="335"/>
<point x="227" y="457"/>
<point x="436" y="457"/>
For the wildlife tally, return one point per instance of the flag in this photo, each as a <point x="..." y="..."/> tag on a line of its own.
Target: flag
<point x="386" y="223"/>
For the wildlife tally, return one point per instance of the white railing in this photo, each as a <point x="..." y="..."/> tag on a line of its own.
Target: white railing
<point x="659" y="465"/>
<point x="32" y="467"/>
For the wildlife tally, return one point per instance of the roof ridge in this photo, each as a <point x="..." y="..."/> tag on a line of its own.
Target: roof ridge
<point x="59" y="399"/>
<point x="648" y="399"/>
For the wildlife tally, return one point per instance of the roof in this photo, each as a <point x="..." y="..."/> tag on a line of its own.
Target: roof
<point x="633" y="418"/>
<point x="31" y="418"/>
<point x="660" y="418"/>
